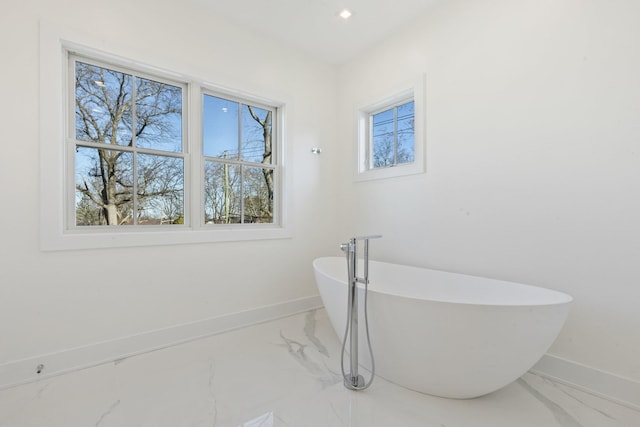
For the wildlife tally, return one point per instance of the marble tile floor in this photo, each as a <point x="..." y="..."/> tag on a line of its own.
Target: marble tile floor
<point x="282" y="373"/>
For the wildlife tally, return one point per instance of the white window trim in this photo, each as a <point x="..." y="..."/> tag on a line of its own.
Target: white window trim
<point x="414" y="90"/>
<point x="55" y="42"/>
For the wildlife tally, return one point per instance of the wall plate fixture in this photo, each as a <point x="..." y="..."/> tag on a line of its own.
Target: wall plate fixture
<point x="316" y="150"/>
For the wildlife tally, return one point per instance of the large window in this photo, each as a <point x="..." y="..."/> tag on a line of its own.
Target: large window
<point x="239" y="161"/>
<point x="144" y="156"/>
<point x="129" y="150"/>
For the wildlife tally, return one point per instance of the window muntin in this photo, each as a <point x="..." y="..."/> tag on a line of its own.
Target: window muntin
<point x="392" y="136"/>
<point x="240" y="166"/>
<point x="126" y="125"/>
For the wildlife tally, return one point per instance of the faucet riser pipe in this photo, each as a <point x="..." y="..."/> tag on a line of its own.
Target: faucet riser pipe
<point x="353" y="380"/>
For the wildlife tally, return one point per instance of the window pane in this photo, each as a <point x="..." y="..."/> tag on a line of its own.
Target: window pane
<point x="158" y="115"/>
<point x="392" y="136"/>
<point x="383" y="151"/>
<point x="222" y="193"/>
<point x="104" y="183"/>
<point x="160" y="189"/>
<point x="256" y="134"/>
<point x="102" y="105"/>
<point x="383" y="123"/>
<point x="405" y="150"/>
<point x="382" y="128"/>
<point x="258" y="194"/>
<point x="220" y="128"/>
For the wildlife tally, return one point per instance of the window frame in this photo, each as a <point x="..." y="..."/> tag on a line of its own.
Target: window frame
<point x="57" y="167"/>
<point x="364" y="171"/>
<point x="275" y="157"/>
<point x="370" y="143"/>
<point x="72" y="142"/>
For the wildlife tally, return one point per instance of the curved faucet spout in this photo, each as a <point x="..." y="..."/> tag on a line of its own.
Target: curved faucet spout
<point x="369" y="237"/>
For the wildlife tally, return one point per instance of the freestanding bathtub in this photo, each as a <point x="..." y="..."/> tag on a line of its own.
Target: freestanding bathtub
<point x="446" y="334"/>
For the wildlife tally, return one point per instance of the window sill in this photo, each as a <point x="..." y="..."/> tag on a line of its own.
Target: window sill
<point x="390" y="172"/>
<point x="98" y="239"/>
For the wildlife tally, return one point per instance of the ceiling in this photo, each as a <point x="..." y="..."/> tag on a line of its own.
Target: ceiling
<point x="313" y="26"/>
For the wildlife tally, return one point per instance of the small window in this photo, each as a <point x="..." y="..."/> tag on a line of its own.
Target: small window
<point x="240" y="162"/>
<point x="392" y="136"/>
<point x="128" y="150"/>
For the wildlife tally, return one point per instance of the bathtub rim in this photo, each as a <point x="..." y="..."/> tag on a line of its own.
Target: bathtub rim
<point x="556" y="297"/>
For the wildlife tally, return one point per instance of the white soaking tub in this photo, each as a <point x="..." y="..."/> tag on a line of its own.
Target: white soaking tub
<point x="446" y="334"/>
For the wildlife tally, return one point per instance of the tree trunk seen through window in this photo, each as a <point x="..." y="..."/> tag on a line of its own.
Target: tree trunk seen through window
<point x="129" y="136"/>
<point x="266" y="157"/>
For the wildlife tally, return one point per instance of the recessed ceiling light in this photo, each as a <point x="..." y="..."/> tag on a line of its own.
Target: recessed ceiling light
<point x="345" y="14"/>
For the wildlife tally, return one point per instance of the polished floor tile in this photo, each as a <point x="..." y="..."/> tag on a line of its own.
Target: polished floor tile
<point x="283" y="373"/>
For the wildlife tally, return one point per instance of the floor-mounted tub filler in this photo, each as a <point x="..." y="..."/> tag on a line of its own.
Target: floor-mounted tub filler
<point x="441" y="333"/>
<point x="353" y="380"/>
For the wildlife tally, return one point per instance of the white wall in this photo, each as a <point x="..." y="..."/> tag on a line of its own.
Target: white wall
<point x="53" y="301"/>
<point x="533" y="158"/>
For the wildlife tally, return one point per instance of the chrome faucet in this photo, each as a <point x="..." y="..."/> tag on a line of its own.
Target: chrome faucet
<point x="354" y="381"/>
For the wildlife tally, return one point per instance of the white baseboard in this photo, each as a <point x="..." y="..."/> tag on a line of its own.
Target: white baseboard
<point x="624" y="391"/>
<point x="24" y="371"/>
